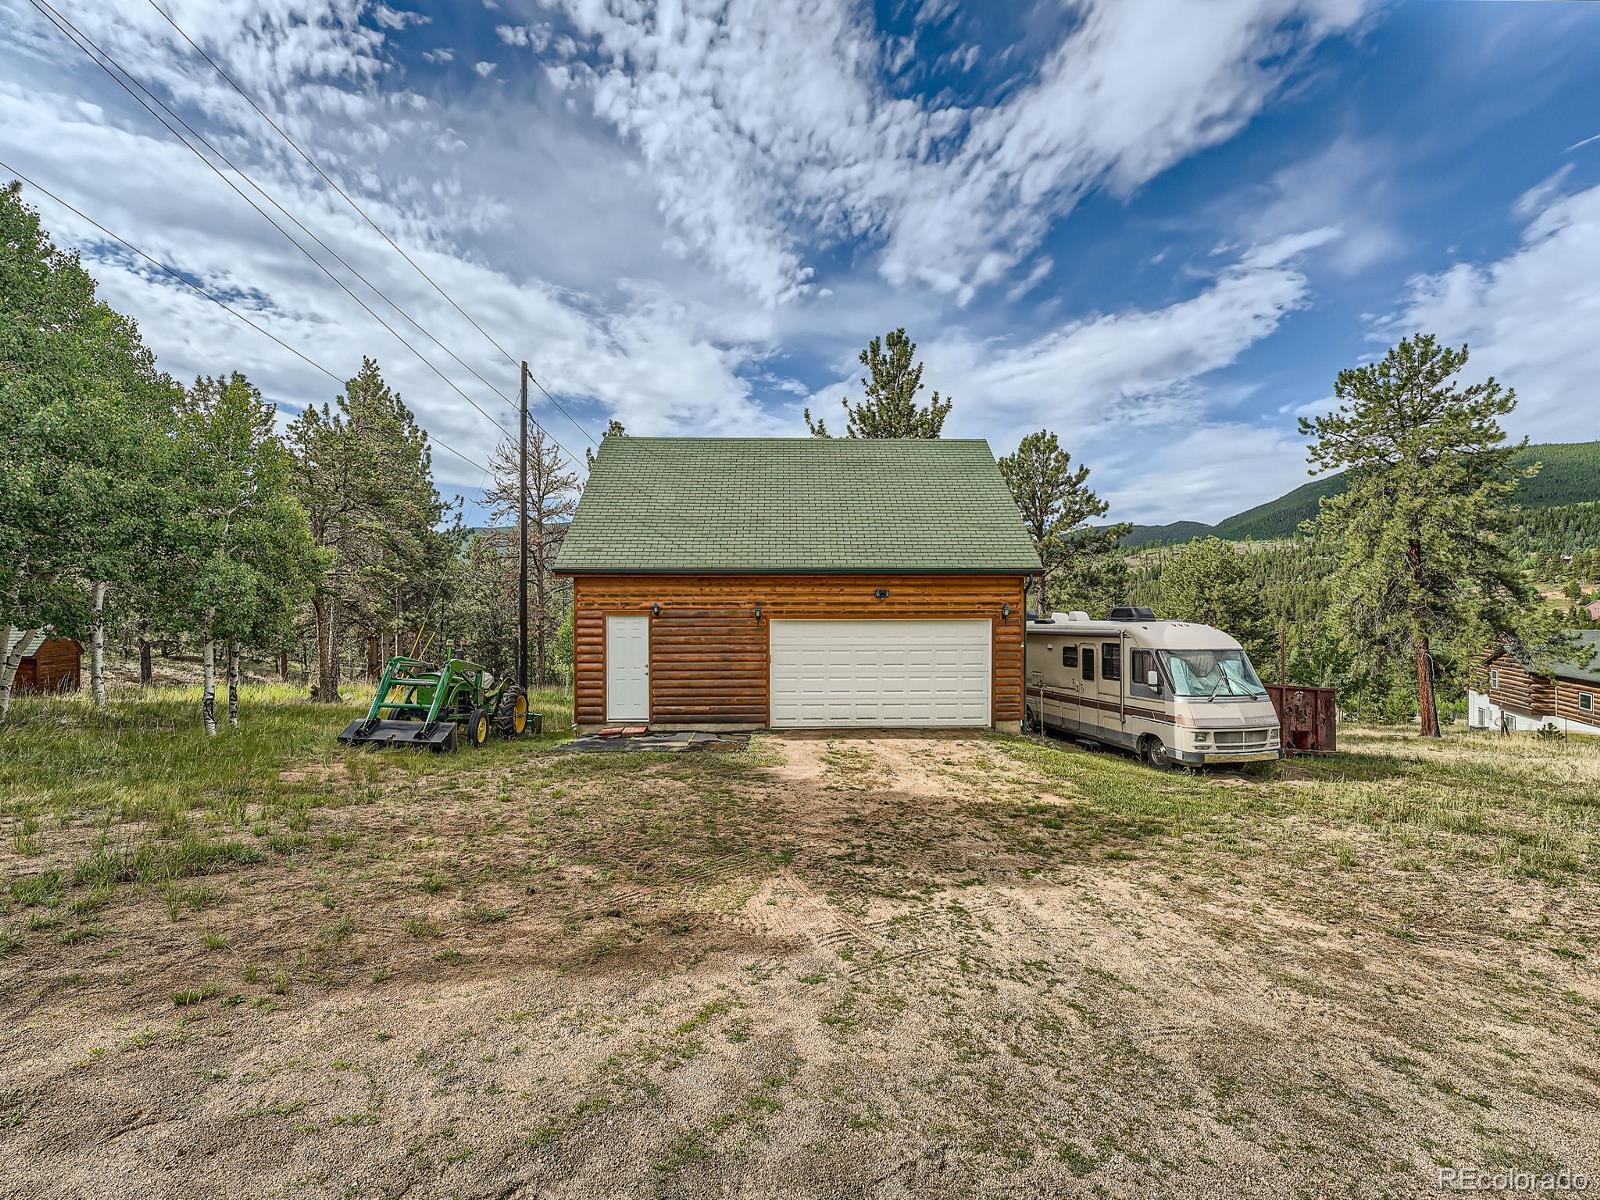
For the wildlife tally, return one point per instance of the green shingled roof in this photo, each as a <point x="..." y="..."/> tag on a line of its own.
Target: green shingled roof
<point x="795" y="504"/>
<point x="1582" y="664"/>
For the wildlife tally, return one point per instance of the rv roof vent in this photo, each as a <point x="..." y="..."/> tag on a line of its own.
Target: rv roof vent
<point x="1129" y="613"/>
<point x="1074" y="615"/>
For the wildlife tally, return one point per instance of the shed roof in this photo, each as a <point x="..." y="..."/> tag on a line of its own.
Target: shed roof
<point x="657" y="505"/>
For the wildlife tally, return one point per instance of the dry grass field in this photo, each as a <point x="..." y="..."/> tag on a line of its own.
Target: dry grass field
<point x="827" y="966"/>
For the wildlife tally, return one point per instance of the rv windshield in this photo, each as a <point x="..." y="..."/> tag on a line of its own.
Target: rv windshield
<point x="1212" y="673"/>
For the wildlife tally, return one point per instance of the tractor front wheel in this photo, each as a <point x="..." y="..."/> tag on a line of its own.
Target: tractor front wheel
<point x="477" y="728"/>
<point x="511" y="714"/>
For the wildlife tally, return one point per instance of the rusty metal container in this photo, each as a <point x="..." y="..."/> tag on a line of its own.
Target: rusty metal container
<point x="1308" y="718"/>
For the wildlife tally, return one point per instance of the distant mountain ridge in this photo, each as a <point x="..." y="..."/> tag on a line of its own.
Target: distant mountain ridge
<point x="1570" y="475"/>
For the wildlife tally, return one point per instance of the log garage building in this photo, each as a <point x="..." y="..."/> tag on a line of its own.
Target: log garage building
<point x="747" y="583"/>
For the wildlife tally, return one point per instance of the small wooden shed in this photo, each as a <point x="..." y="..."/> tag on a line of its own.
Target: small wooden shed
<point x="50" y="664"/>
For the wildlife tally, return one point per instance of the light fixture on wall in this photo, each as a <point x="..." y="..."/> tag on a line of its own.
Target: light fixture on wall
<point x="880" y="594"/>
<point x="655" y="610"/>
<point x="1005" y="612"/>
<point x="758" y="610"/>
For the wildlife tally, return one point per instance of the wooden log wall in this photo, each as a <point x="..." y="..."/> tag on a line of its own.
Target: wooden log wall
<point x="1567" y="692"/>
<point x="709" y="658"/>
<point x="1518" y="689"/>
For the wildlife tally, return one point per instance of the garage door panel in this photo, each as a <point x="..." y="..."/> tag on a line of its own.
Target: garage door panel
<point x="880" y="673"/>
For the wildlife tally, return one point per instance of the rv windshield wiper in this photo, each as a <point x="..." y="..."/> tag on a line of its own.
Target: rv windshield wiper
<point x="1218" y="688"/>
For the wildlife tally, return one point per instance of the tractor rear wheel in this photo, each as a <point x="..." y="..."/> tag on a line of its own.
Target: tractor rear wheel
<point x="477" y="728"/>
<point x="511" y="714"/>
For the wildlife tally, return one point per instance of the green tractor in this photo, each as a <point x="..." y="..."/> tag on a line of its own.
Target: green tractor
<point x="418" y="705"/>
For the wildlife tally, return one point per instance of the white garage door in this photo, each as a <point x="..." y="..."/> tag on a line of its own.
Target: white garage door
<point x="879" y="673"/>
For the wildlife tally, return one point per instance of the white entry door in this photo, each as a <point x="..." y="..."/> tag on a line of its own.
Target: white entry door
<point x="880" y="673"/>
<point x="627" y="668"/>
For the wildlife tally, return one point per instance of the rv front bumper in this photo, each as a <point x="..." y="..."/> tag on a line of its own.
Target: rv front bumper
<point x="1217" y="758"/>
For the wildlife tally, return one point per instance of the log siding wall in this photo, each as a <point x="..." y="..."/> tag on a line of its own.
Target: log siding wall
<point x="1518" y="689"/>
<point x="709" y="658"/>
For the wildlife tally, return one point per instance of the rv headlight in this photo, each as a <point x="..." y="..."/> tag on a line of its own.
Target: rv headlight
<point x="1202" y="737"/>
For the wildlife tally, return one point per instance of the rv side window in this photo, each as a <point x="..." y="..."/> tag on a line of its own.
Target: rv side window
<point x="1069" y="656"/>
<point x="1088" y="664"/>
<point x="1111" y="660"/>
<point x="1142" y="663"/>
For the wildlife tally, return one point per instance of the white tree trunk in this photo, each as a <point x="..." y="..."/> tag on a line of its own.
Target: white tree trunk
<point x="208" y="698"/>
<point x="13" y="658"/>
<point x="8" y="668"/>
<point x="97" y="648"/>
<point x="233" y="684"/>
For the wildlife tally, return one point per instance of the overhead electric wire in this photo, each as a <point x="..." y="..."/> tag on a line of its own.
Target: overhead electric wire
<point x="222" y="304"/>
<point x="73" y="34"/>
<point x="350" y="200"/>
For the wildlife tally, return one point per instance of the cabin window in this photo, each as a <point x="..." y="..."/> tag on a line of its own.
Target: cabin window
<point x="1141" y="663"/>
<point x="1111" y="660"/>
<point x="1585" y="701"/>
<point x="1069" y="656"/>
<point x="1494" y="677"/>
<point x="1088" y="664"/>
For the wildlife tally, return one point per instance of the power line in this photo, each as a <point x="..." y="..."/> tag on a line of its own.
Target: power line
<point x="73" y="34"/>
<point x="328" y="179"/>
<point x="222" y="304"/>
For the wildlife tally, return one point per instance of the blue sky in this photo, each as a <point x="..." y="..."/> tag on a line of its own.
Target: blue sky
<point x="1158" y="229"/>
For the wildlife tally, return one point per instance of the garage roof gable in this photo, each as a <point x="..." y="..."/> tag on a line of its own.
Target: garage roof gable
<point x="795" y="505"/>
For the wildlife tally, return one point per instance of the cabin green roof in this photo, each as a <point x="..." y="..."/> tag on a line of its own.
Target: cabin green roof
<point x="659" y="505"/>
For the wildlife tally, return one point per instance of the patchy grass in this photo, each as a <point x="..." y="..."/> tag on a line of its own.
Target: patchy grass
<point x="931" y="965"/>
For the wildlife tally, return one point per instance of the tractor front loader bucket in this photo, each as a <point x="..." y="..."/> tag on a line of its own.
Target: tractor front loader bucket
<point x="364" y="732"/>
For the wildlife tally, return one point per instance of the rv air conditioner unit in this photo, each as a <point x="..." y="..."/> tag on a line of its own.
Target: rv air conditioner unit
<point x="1126" y="613"/>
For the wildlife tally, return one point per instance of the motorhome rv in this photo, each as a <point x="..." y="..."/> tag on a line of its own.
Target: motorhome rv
<point x="1170" y="691"/>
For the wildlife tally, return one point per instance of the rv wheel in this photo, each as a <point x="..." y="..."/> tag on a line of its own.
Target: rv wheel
<point x="1154" y="753"/>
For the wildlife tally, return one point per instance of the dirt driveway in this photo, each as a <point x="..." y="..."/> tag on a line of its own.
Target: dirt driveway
<point x="830" y="967"/>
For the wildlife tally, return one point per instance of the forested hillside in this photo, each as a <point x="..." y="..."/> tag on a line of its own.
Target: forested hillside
<point x="1569" y="475"/>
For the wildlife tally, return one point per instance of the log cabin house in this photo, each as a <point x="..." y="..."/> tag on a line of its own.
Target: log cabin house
<point x="1511" y="695"/>
<point x="49" y="664"/>
<point x="749" y="583"/>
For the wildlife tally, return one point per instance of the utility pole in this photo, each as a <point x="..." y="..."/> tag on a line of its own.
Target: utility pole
<point x="522" y="539"/>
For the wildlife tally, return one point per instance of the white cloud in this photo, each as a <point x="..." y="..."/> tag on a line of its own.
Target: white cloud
<point x="1530" y="317"/>
<point x="396" y="19"/>
<point x="768" y="130"/>
<point x="1347" y="186"/>
<point x="1199" y="473"/>
<point x="536" y="37"/>
<point x="484" y="69"/>
<point x="550" y="293"/>
<point x="1105" y="379"/>
<point x="441" y="55"/>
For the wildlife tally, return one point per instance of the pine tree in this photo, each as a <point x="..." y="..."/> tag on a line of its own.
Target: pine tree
<point x="1421" y="531"/>
<point x="1211" y="582"/>
<point x="364" y="474"/>
<point x="889" y="408"/>
<point x="1083" y="566"/>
